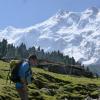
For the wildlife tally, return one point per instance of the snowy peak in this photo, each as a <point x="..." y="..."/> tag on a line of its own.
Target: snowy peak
<point x="93" y="10"/>
<point x="75" y="34"/>
<point x="65" y="14"/>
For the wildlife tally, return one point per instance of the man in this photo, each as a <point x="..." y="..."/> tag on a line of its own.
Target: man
<point x="25" y="75"/>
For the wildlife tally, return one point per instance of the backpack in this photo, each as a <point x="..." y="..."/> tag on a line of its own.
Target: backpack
<point x="14" y="71"/>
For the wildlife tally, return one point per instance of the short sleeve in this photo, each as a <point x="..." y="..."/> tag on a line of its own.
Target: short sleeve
<point x="24" y="67"/>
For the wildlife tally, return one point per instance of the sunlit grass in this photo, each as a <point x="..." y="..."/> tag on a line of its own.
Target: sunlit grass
<point x="73" y="79"/>
<point x="50" y="86"/>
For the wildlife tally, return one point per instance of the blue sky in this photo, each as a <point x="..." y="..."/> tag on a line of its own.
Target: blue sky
<point x="24" y="13"/>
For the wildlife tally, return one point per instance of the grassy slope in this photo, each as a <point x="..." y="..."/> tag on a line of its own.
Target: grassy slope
<point x="50" y="86"/>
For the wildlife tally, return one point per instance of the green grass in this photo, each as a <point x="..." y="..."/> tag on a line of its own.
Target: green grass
<point x="50" y="86"/>
<point x="73" y="79"/>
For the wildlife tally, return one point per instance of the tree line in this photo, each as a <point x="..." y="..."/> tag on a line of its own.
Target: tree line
<point x="9" y="51"/>
<point x="21" y="52"/>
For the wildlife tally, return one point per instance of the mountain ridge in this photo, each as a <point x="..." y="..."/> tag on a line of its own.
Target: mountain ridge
<point x="73" y="33"/>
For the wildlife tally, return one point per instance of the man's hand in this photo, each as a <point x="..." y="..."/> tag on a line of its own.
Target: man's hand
<point x="23" y="81"/>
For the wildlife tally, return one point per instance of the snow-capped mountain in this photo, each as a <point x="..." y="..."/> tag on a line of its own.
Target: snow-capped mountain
<point x="74" y="33"/>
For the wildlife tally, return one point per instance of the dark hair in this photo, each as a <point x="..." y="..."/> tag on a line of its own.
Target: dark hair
<point x="34" y="57"/>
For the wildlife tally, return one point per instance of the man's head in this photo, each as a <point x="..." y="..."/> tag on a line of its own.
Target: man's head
<point x="33" y="60"/>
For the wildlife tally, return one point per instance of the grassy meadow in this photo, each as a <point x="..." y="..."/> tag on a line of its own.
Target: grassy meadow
<point x="50" y="86"/>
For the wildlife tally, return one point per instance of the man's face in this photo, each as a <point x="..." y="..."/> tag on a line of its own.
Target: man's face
<point x="33" y="62"/>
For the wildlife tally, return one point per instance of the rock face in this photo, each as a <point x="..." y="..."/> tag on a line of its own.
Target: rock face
<point x="74" y="33"/>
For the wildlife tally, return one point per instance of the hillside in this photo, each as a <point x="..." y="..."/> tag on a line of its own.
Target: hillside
<point x="50" y="86"/>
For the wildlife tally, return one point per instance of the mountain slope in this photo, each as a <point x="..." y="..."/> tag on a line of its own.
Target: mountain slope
<point x="74" y="33"/>
<point x="50" y="86"/>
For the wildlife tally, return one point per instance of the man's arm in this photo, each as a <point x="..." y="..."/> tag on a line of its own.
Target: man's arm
<point x="22" y="73"/>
